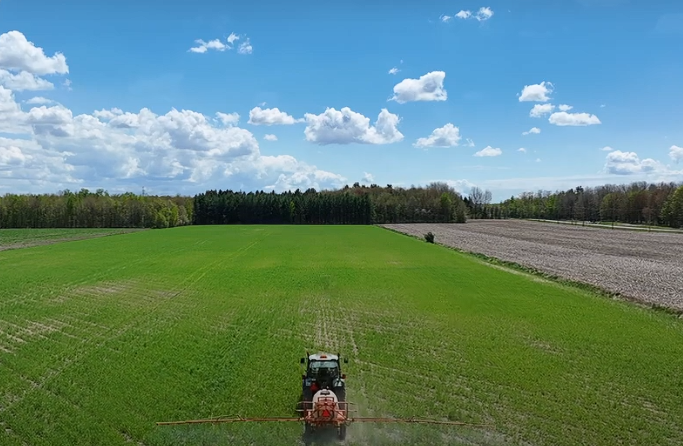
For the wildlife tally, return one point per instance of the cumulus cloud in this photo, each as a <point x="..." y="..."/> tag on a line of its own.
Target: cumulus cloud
<point x="464" y="14"/>
<point x="541" y="109"/>
<point x="461" y="186"/>
<point x="533" y="131"/>
<point x="12" y="119"/>
<point x="573" y="119"/>
<point x="23" y="81"/>
<point x="607" y="149"/>
<point x="521" y="149"/>
<point x="270" y="116"/>
<point x="270" y="137"/>
<point x="628" y="163"/>
<point x="232" y="38"/>
<point x="18" y="53"/>
<point x="564" y="107"/>
<point x="39" y="100"/>
<point x="394" y="70"/>
<point x="428" y="87"/>
<point x="536" y="92"/>
<point x="228" y="118"/>
<point x="445" y="18"/>
<point x="489" y="151"/>
<point x="676" y="153"/>
<point x="181" y="151"/>
<point x="203" y="46"/>
<point x="368" y="178"/>
<point x="346" y="127"/>
<point x="446" y="136"/>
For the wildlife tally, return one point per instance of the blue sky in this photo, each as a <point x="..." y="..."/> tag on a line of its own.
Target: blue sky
<point x="140" y="108"/>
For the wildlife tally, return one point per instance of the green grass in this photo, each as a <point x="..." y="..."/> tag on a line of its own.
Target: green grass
<point x="23" y="238"/>
<point x="102" y="338"/>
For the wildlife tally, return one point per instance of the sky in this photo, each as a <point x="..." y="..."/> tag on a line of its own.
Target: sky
<point x="179" y="97"/>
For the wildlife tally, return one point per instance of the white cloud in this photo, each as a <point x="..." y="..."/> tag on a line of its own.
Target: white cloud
<point x="628" y="163"/>
<point x="464" y="14"/>
<point x="368" y="178"/>
<point x="177" y="152"/>
<point x="428" y="87"/>
<point x="607" y="149"/>
<point x="23" y="81"/>
<point x="541" y="109"/>
<point x="394" y="70"/>
<point x="489" y="151"/>
<point x="521" y="149"/>
<point x="573" y="119"/>
<point x="19" y="54"/>
<point x="39" y="100"/>
<point x="203" y="46"/>
<point x="270" y="116"/>
<point x="108" y="114"/>
<point x="564" y="107"/>
<point x="445" y="18"/>
<point x="245" y="47"/>
<point x="228" y="119"/>
<point x="12" y="119"/>
<point x="232" y="38"/>
<point x="484" y="13"/>
<point x="533" y="131"/>
<point x="536" y="92"/>
<point x="446" y="136"/>
<point x="346" y="127"/>
<point x="270" y="137"/>
<point x="67" y="84"/>
<point x="461" y="186"/>
<point x="676" y="153"/>
<point x="469" y="142"/>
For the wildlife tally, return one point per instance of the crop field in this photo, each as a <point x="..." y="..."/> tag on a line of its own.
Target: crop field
<point x="24" y="238"/>
<point x="102" y="338"/>
<point x="642" y="266"/>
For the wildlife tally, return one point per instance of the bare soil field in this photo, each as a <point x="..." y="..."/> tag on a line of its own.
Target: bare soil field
<point x="647" y="267"/>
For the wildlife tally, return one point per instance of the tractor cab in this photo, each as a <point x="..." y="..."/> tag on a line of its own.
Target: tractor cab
<point x="323" y="371"/>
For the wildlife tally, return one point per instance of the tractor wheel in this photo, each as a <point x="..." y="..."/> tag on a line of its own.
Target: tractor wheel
<point x="342" y="432"/>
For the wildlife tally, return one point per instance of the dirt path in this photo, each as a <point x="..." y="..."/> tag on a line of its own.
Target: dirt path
<point x="647" y="267"/>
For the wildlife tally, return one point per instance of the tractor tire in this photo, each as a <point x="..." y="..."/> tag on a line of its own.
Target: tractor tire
<point x="342" y="432"/>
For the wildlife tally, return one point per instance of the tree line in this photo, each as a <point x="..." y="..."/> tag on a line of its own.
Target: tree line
<point x="357" y="204"/>
<point x="99" y="209"/>
<point x="635" y="203"/>
<point x="640" y="202"/>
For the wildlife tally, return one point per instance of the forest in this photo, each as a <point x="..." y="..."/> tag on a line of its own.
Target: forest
<point x="656" y="204"/>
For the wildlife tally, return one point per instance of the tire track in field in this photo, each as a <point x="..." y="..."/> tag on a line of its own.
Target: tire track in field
<point x="86" y="349"/>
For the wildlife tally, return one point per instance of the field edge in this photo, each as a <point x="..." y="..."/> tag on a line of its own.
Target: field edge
<point x="559" y="280"/>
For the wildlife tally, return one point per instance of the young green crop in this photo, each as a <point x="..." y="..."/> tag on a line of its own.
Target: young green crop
<point x="101" y="339"/>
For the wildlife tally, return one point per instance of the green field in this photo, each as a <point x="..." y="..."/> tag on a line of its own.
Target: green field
<point x="23" y="238"/>
<point x="102" y="338"/>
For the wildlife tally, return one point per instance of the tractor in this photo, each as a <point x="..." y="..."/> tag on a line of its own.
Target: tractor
<point x="323" y="371"/>
<point x="323" y="407"/>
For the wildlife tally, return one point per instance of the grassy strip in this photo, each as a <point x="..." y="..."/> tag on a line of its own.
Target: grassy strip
<point x="583" y="286"/>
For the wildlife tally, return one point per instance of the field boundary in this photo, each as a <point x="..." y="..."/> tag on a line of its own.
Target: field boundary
<point x="618" y="226"/>
<point x="76" y="238"/>
<point x="554" y="278"/>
